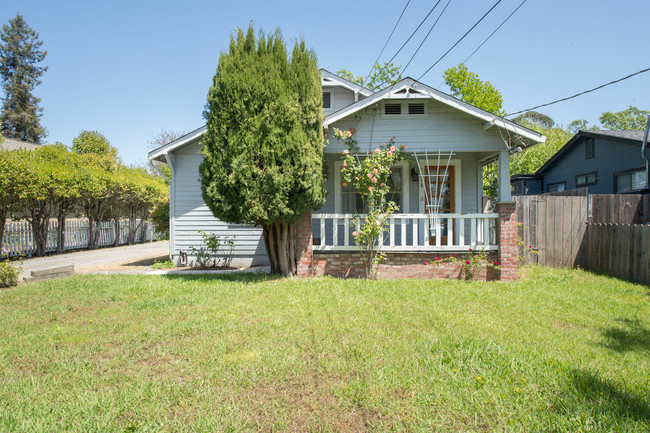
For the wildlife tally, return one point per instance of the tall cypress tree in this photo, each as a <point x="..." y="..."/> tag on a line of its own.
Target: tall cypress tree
<point x="263" y="148"/>
<point x="20" y="55"/>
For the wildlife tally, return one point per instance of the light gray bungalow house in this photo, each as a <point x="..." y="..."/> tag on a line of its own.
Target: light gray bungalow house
<point x="439" y="193"/>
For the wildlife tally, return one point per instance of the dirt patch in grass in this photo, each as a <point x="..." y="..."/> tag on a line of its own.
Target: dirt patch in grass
<point x="309" y="404"/>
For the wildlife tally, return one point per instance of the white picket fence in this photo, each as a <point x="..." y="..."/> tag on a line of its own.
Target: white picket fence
<point x="19" y="239"/>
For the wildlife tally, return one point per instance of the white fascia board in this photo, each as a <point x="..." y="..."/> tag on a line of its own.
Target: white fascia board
<point x="176" y="144"/>
<point x="342" y="82"/>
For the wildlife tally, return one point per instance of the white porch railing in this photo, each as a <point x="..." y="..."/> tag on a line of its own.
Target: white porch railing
<point x="411" y="232"/>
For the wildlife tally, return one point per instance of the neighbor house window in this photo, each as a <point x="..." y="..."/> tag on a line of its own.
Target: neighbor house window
<point x="555" y="187"/>
<point x="586" y="179"/>
<point x="327" y="100"/>
<point x="589" y="148"/>
<point x="630" y="180"/>
<point x="516" y="188"/>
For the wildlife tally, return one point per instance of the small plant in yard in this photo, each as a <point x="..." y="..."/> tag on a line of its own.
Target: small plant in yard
<point x="163" y="264"/>
<point x="9" y="273"/>
<point x="470" y="265"/>
<point x="216" y="252"/>
<point x="370" y="177"/>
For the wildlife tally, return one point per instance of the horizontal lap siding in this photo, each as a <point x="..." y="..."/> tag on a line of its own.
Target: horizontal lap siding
<point x="451" y="129"/>
<point x="191" y="214"/>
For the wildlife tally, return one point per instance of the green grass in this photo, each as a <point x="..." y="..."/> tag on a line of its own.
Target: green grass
<point x="555" y="351"/>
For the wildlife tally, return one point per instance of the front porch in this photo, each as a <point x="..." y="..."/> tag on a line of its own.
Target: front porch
<point x="452" y="233"/>
<point x="325" y="245"/>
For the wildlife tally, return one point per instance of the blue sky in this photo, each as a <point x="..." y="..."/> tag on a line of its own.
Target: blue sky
<point x="130" y="69"/>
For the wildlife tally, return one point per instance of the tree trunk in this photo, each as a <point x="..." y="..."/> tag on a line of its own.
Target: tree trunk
<point x="40" y="222"/>
<point x="280" y="244"/>
<point x="116" y="222"/>
<point x="4" y="211"/>
<point x="133" y="226"/>
<point x="60" y="231"/>
<point x="143" y="225"/>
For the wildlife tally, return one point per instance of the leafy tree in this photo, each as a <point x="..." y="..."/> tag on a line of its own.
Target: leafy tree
<point x="20" y="55"/>
<point x="92" y="142"/>
<point x="263" y="151"/>
<point x="530" y="160"/>
<point x="536" y="118"/>
<point x="13" y="164"/>
<point x="630" y="119"/>
<point x="580" y="125"/>
<point x="380" y="77"/>
<point x="467" y="86"/>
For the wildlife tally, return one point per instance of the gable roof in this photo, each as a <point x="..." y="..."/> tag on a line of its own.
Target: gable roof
<point x="410" y="88"/>
<point x="159" y="153"/>
<point x="11" y="144"/>
<point x="632" y="137"/>
<point x="329" y="79"/>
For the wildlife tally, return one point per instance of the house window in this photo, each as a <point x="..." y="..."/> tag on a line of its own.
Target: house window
<point x="392" y="109"/>
<point x="630" y="180"/>
<point x="416" y="108"/>
<point x="586" y="179"/>
<point x="589" y="148"/>
<point x="556" y="187"/>
<point x="327" y="100"/>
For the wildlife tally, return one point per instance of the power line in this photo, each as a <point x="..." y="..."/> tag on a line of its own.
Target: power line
<point x="459" y="40"/>
<point x="389" y="36"/>
<point x="579" y="94"/>
<point x="409" y="38"/>
<point x="427" y="35"/>
<point x="495" y="30"/>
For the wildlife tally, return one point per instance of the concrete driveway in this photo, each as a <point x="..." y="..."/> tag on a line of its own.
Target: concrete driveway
<point x="135" y="258"/>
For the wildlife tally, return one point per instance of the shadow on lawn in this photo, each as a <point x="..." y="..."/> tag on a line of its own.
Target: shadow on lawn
<point x="631" y="335"/>
<point x="239" y="277"/>
<point x="602" y="398"/>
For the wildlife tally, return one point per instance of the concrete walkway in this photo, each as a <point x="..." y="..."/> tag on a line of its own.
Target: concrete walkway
<point x="131" y="259"/>
<point x="125" y="258"/>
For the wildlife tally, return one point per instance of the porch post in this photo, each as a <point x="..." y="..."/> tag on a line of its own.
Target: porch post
<point x="507" y="240"/>
<point x="504" y="176"/>
<point x="304" y="246"/>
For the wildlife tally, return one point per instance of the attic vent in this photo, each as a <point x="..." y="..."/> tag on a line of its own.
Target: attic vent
<point x="327" y="100"/>
<point x="589" y="148"/>
<point x="393" y="109"/>
<point x="416" y="108"/>
<point x="401" y="91"/>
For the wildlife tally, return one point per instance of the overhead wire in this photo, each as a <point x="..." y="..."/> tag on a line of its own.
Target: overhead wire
<point x="409" y="38"/>
<point x="459" y="40"/>
<point x="579" y="94"/>
<point x="387" y="40"/>
<point x="427" y="35"/>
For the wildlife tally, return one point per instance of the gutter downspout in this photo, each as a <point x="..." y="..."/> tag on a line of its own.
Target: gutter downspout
<point x="644" y="155"/>
<point x="157" y="170"/>
<point x="172" y="204"/>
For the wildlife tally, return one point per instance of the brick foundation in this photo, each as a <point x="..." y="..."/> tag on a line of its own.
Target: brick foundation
<point x="396" y="265"/>
<point x="507" y="240"/>
<point x="304" y="246"/>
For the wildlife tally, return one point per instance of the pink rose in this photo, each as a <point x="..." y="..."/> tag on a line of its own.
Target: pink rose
<point x="345" y="164"/>
<point x="389" y="153"/>
<point x="425" y="263"/>
<point x="392" y="149"/>
<point x="437" y="258"/>
<point x="369" y="175"/>
<point x="370" y="188"/>
<point x="377" y="150"/>
<point x="467" y="261"/>
<point x="470" y="249"/>
<point x="402" y="146"/>
<point x="345" y="184"/>
<point x="373" y="180"/>
<point x="345" y="152"/>
<point x="374" y="171"/>
<point x="354" y="234"/>
<point x="495" y="263"/>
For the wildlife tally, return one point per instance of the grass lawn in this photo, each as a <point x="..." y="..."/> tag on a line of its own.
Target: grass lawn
<point x="558" y="350"/>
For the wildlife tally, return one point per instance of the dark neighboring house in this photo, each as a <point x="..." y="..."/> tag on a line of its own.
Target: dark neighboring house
<point x="605" y="162"/>
<point x="11" y="144"/>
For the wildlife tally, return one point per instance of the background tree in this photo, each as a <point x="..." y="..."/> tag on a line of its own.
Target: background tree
<point x="630" y="119"/>
<point x="263" y="151"/>
<point x="13" y="163"/>
<point x="92" y="142"/>
<point x="467" y="86"/>
<point x="531" y="159"/>
<point x="165" y="136"/>
<point x="535" y="118"/>
<point x="20" y="55"/>
<point x="580" y="125"/>
<point x="381" y="76"/>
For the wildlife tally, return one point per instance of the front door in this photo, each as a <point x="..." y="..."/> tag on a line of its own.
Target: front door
<point x="439" y="197"/>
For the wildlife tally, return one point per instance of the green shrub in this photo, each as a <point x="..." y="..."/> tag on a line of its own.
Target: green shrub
<point x="160" y="218"/>
<point x="163" y="264"/>
<point x="9" y="273"/>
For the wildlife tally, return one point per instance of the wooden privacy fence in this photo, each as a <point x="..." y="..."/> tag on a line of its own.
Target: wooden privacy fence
<point x="19" y="239"/>
<point x="606" y="233"/>
<point x="552" y="229"/>
<point x="620" y="250"/>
